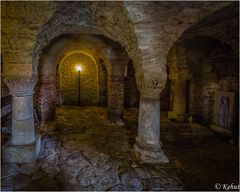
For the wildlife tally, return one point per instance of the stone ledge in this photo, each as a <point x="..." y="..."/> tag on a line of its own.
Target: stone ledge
<point x="221" y="130"/>
<point x="21" y="153"/>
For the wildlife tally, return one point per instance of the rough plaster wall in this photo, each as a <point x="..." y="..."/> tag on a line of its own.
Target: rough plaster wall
<point x="20" y="24"/>
<point x="88" y="80"/>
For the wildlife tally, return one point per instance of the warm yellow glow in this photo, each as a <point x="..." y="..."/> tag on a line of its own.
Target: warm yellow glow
<point x="78" y="68"/>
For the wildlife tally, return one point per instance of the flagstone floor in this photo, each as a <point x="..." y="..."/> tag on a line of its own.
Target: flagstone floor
<point x="88" y="152"/>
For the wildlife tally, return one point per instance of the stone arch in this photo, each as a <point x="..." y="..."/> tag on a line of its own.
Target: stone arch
<point x="38" y="49"/>
<point x="65" y="44"/>
<point x="114" y="59"/>
<point x="88" y="21"/>
<point x="90" y="52"/>
<point x="49" y="78"/>
<point x="74" y="52"/>
<point x="67" y="75"/>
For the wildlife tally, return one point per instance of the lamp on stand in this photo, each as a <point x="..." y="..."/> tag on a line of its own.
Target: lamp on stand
<point x="79" y="68"/>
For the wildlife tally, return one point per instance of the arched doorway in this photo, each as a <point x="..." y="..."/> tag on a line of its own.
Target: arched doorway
<point x="78" y="87"/>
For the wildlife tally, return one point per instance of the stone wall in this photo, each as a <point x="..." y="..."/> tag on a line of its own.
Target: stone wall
<point x="213" y="66"/>
<point x="69" y="84"/>
<point x="215" y="71"/>
<point x="21" y="22"/>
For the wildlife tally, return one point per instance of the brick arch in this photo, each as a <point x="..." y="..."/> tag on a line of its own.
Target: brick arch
<point x="85" y="18"/>
<point x="48" y="93"/>
<point x="65" y="44"/>
<point x="89" y="79"/>
<point x="182" y="54"/>
<point x="74" y="52"/>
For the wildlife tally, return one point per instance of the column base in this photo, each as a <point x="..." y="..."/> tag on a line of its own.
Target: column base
<point x="47" y="127"/>
<point x="151" y="154"/>
<point x="176" y="117"/>
<point x="21" y="153"/>
<point x="116" y="118"/>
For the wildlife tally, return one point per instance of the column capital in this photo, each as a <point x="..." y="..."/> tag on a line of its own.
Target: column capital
<point x="20" y="85"/>
<point x="151" y="84"/>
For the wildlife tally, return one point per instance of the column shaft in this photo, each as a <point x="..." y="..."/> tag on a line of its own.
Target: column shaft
<point x="116" y="98"/>
<point x="23" y="132"/>
<point x="149" y="121"/>
<point x="46" y="99"/>
<point x="148" y="145"/>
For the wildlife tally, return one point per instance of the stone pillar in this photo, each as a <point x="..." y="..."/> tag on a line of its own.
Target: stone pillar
<point x="118" y="59"/>
<point x="148" y="146"/>
<point x="116" y="98"/>
<point x="46" y="98"/>
<point x="179" y="100"/>
<point x="24" y="146"/>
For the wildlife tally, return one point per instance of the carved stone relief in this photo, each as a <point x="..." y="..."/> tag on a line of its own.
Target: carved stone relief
<point x="151" y="85"/>
<point x="223" y="109"/>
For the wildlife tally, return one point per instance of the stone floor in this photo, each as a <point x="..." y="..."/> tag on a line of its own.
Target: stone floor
<point x="87" y="152"/>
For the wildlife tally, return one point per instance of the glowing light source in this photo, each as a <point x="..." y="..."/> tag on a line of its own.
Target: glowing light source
<point x="78" y="68"/>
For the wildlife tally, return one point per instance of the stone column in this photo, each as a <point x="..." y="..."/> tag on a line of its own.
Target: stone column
<point x="148" y="146"/>
<point x="24" y="146"/>
<point x="116" y="98"/>
<point x="46" y="96"/>
<point x="118" y="59"/>
<point x="179" y="100"/>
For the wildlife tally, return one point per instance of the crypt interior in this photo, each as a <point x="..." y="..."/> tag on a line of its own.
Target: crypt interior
<point x="119" y="96"/>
